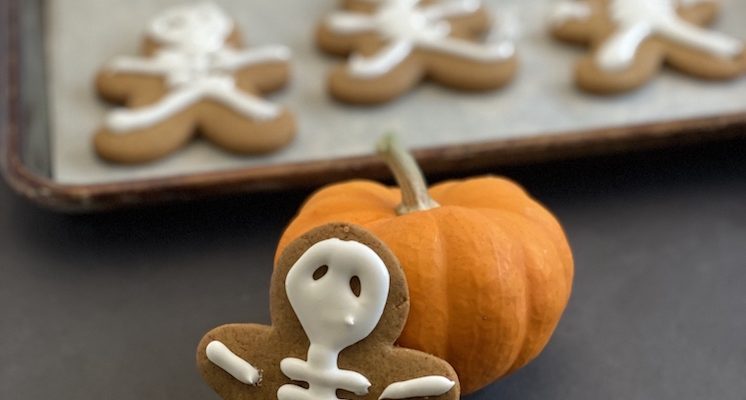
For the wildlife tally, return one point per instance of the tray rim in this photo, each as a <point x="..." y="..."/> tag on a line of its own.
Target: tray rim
<point x="47" y="193"/>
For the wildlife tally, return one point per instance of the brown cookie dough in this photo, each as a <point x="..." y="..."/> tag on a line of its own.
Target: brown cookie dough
<point x="394" y="44"/>
<point x="193" y="78"/>
<point x="633" y="39"/>
<point x="338" y="301"/>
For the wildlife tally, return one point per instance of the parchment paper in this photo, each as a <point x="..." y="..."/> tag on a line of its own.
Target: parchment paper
<point x="84" y="34"/>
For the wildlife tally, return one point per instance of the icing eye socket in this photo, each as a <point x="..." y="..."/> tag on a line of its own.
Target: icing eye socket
<point x="355" y="286"/>
<point x="320" y="272"/>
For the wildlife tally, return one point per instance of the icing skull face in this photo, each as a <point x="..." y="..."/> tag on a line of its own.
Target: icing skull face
<point x="338" y="290"/>
<point x="201" y="28"/>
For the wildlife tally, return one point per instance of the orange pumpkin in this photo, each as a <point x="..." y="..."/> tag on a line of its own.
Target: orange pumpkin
<point x="489" y="269"/>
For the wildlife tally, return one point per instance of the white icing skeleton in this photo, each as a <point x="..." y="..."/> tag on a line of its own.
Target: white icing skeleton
<point x="407" y="25"/>
<point x="338" y="305"/>
<point x="638" y="20"/>
<point x="197" y="65"/>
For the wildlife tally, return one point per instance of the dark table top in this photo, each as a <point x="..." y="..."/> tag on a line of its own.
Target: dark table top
<point x="111" y="306"/>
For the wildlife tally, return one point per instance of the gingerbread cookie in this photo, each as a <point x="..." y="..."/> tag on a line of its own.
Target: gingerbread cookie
<point x="338" y="301"/>
<point x="632" y="39"/>
<point x="193" y="78"/>
<point x="395" y="44"/>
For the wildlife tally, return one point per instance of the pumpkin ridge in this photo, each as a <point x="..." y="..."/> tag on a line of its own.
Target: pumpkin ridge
<point x="475" y="218"/>
<point x="535" y="229"/>
<point x="447" y="278"/>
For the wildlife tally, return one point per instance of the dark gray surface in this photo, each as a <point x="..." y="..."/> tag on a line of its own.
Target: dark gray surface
<point x="112" y="306"/>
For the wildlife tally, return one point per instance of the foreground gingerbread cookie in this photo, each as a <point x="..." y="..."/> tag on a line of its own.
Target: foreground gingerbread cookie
<point x="193" y="78"/>
<point x="395" y="44"/>
<point x="632" y="39"/>
<point x="338" y="301"/>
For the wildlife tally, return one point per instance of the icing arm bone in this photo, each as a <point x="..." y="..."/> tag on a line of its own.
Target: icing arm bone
<point x="232" y="60"/>
<point x="221" y="356"/>
<point x="426" y="386"/>
<point x="139" y="65"/>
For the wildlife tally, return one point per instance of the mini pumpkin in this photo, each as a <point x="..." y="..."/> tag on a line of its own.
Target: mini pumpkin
<point x="489" y="269"/>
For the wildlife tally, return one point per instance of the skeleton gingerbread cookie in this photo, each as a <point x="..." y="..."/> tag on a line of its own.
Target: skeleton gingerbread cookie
<point x="194" y="78"/>
<point x="633" y="39"/>
<point x="394" y="44"/>
<point x="338" y="301"/>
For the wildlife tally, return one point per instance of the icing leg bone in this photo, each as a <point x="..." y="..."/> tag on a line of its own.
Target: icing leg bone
<point x="638" y="36"/>
<point x="193" y="70"/>
<point x="415" y="37"/>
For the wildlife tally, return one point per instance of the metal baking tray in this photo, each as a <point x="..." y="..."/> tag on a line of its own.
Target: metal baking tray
<point x="48" y="109"/>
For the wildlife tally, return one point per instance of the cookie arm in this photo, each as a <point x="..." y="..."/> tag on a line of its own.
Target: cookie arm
<point x="221" y="356"/>
<point x="711" y="42"/>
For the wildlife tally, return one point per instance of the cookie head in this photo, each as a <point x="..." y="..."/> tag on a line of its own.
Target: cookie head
<point x="202" y="26"/>
<point x="338" y="290"/>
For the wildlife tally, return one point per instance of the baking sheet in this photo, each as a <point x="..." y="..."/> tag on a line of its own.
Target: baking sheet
<point x="84" y="34"/>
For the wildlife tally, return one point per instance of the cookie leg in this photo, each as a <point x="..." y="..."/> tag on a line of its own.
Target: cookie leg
<point x="572" y="21"/>
<point x="240" y="134"/>
<point x="384" y="75"/>
<point x="145" y="145"/>
<point x="341" y="31"/>
<point x="467" y="18"/>
<point x="466" y="65"/>
<point x="595" y="76"/>
<point x="263" y="78"/>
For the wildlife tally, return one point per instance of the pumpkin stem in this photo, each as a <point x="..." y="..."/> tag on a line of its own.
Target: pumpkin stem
<point x="414" y="195"/>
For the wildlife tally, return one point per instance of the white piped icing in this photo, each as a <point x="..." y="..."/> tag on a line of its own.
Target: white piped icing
<point x="407" y="25"/>
<point x="333" y="316"/>
<point x="426" y="386"/>
<point x="221" y="356"/>
<point x="197" y="65"/>
<point x="639" y="20"/>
